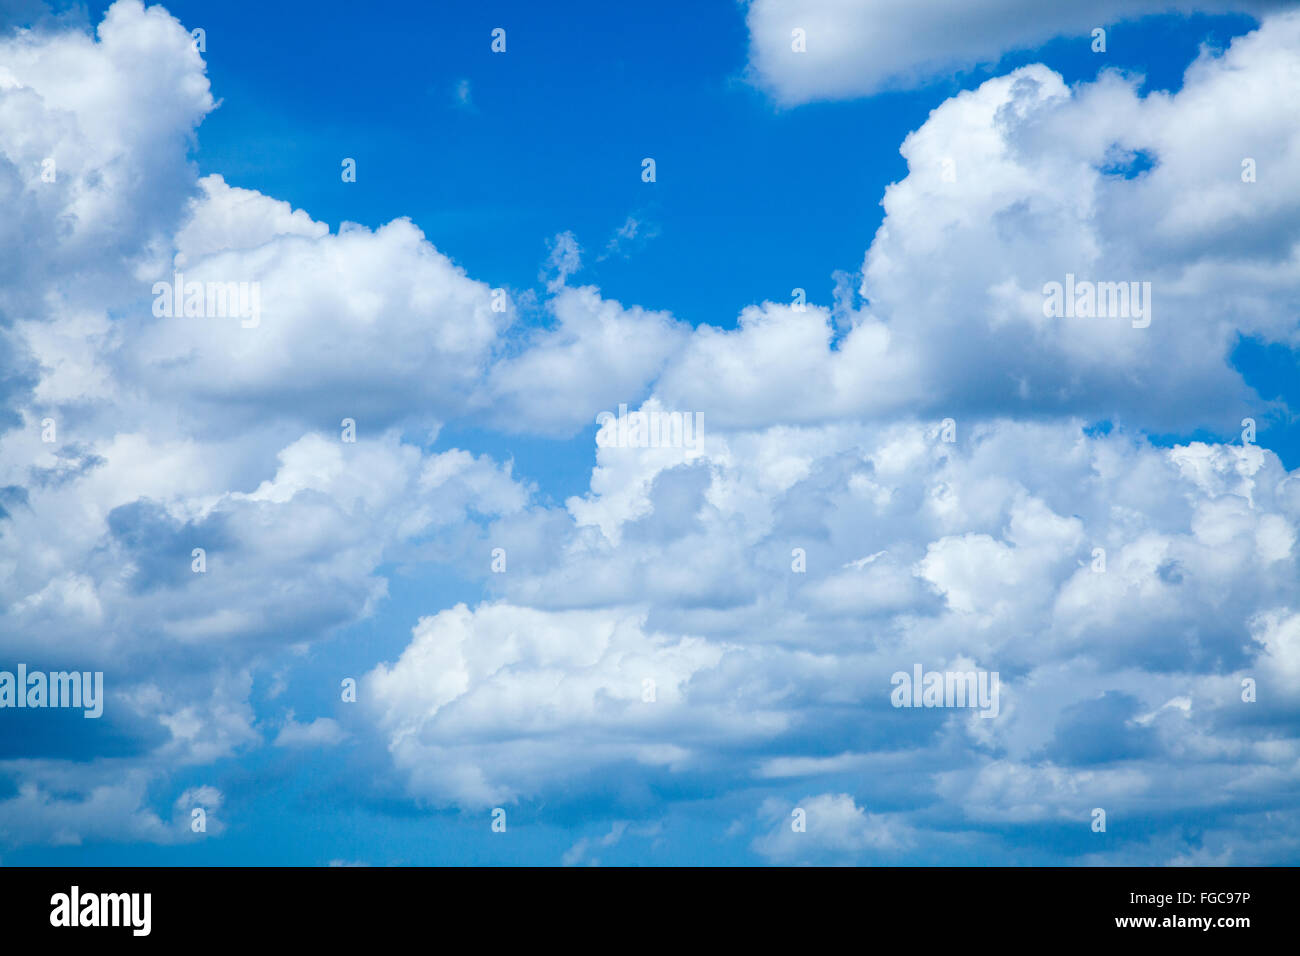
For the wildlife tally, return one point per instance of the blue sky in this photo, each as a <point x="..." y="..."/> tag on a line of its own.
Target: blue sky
<point x="822" y="428"/>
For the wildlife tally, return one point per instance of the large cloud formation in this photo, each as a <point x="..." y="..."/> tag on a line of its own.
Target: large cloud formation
<point x="720" y="623"/>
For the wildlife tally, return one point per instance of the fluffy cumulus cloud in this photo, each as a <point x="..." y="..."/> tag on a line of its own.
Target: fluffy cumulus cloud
<point x="827" y="827"/>
<point x="597" y="355"/>
<point x="1118" y="686"/>
<point x="1024" y="182"/>
<point x="486" y="705"/>
<point x="719" y="622"/>
<point x="332" y="309"/>
<point x="802" y="50"/>
<point x="180" y="505"/>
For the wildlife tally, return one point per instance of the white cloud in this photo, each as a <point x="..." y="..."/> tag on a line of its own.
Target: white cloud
<point x="1014" y="185"/>
<point x="598" y="355"/>
<point x="836" y="828"/>
<point x="489" y="705"/>
<point x="859" y="47"/>
<point x="321" y="732"/>
<point x="564" y="259"/>
<point x="121" y="172"/>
